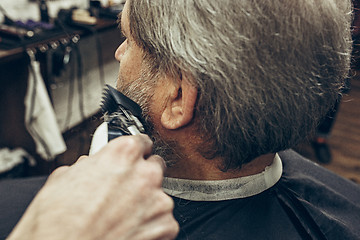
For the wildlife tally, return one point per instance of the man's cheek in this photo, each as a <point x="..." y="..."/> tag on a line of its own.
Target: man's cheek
<point x="128" y="75"/>
<point x="123" y="79"/>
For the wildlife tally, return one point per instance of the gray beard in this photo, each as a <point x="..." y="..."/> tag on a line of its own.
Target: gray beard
<point x="141" y="91"/>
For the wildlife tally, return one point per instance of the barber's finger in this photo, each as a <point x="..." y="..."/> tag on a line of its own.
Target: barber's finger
<point x="58" y="172"/>
<point x="126" y="148"/>
<point x="138" y="146"/>
<point x="140" y="141"/>
<point x="152" y="169"/>
<point x="81" y="158"/>
<point x="158" y="160"/>
<point x="164" y="227"/>
<point x="147" y="143"/>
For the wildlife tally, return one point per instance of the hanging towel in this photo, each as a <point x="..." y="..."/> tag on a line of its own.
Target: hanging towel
<point x="40" y="119"/>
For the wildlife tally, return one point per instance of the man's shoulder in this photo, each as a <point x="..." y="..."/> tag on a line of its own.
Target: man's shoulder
<point x="330" y="203"/>
<point x="308" y="202"/>
<point x="298" y="169"/>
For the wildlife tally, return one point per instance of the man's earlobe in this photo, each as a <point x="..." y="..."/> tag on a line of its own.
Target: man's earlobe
<point x="180" y="105"/>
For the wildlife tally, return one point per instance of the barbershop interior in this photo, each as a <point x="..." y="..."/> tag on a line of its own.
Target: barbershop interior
<point x="56" y="57"/>
<point x="58" y="71"/>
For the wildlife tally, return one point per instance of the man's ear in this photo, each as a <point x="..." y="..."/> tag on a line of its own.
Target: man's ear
<point x="180" y="106"/>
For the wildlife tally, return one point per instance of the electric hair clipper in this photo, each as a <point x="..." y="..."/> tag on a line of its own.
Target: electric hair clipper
<point x="122" y="116"/>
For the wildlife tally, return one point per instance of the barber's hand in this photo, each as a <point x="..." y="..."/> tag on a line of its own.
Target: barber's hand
<point x="114" y="194"/>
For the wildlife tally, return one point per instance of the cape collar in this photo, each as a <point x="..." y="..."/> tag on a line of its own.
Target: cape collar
<point x="200" y="190"/>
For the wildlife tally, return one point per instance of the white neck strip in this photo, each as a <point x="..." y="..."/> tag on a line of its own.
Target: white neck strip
<point x="200" y="190"/>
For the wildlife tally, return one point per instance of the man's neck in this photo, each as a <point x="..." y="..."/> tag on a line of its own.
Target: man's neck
<point x="199" y="168"/>
<point x="192" y="165"/>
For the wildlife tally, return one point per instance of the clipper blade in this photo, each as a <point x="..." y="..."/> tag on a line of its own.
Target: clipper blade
<point x="124" y="116"/>
<point x="112" y="99"/>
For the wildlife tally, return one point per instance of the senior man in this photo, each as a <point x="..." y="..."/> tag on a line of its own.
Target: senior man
<point x="227" y="86"/>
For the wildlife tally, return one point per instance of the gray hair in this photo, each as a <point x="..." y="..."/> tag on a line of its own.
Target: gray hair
<point x="266" y="70"/>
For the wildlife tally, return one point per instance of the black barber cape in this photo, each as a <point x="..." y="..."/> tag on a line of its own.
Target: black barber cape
<point x="15" y="196"/>
<point x="308" y="202"/>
